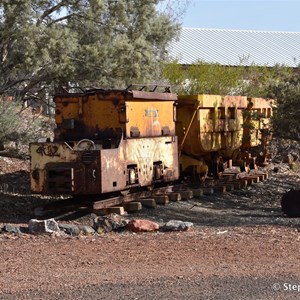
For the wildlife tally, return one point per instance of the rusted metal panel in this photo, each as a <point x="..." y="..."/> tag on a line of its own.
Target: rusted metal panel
<point x="113" y="170"/>
<point x="139" y="156"/>
<point x="93" y="118"/>
<point x="153" y="151"/>
<point x="105" y="113"/>
<point x="154" y="96"/>
<point x="59" y="168"/>
<point x="214" y="123"/>
<point x="41" y="154"/>
<point x="256" y="122"/>
<point x="150" y="117"/>
<point x="56" y="168"/>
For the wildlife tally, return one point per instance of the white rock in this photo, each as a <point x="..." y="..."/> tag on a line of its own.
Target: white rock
<point x="175" y="225"/>
<point x="43" y="226"/>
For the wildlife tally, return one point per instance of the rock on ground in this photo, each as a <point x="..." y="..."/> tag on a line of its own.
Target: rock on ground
<point x="11" y="229"/>
<point x="176" y="225"/>
<point x="109" y="223"/>
<point x="75" y="230"/>
<point x="139" y="225"/>
<point x="43" y="226"/>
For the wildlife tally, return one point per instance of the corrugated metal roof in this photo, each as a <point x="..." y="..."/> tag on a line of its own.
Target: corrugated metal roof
<point x="237" y="47"/>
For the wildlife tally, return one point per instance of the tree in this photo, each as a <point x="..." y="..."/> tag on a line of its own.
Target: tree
<point x="174" y="9"/>
<point x="127" y="45"/>
<point x="281" y="84"/>
<point x="46" y="44"/>
<point x="108" y="43"/>
<point x="286" y="91"/>
<point x="17" y="124"/>
<point x="204" y="78"/>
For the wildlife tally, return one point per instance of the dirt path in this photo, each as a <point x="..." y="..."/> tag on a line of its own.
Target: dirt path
<point x="242" y="247"/>
<point x="201" y="264"/>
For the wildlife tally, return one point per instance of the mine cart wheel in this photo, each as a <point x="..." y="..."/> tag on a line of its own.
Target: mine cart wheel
<point x="261" y="157"/>
<point x="185" y="177"/>
<point x="214" y="172"/>
<point x="216" y="166"/>
<point x="202" y="176"/>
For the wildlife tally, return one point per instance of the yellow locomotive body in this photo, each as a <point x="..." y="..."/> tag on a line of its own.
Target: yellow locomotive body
<point x="107" y="141"/>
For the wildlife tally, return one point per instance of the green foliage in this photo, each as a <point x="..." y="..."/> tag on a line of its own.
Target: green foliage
<point x="107" y="43"/>
<point x="260" y="79"/>
<point x="286" y="91"/>
<point x="283" y="85"/>
<point x="14" y="126"/>
<point x="203" y="78"/>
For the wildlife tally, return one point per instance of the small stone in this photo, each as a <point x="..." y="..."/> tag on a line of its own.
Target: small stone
<point x="11" y="229"/>
<point x="175" y="225"/>
<point x="140" y="225"/>
<point x="70" y="229"/>
<point x="109" y="223"/>
<point x="86" y="230"/>
<point x="43" y="226"/>
<point x="288" y="158"/>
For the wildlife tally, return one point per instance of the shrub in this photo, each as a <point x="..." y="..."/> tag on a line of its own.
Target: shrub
<point x="18" y="123"/>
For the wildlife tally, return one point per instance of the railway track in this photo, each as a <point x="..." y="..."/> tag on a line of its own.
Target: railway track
<point x="134" y="201"/>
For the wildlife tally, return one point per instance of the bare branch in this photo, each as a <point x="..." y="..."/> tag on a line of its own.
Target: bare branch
<point x="174" y="9"/>
<point x="66" y="17"/>
<point x="51" y="10"/>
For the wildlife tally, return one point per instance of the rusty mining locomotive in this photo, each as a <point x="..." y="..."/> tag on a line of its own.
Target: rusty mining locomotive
<point x="109" y="141"/>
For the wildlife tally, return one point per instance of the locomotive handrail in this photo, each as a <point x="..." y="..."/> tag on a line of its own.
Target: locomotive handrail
<point x="67" y="91"/>
<point x="188" y="129"/>
<point x="68" y="146"/>
<point x="154" y="87"/>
